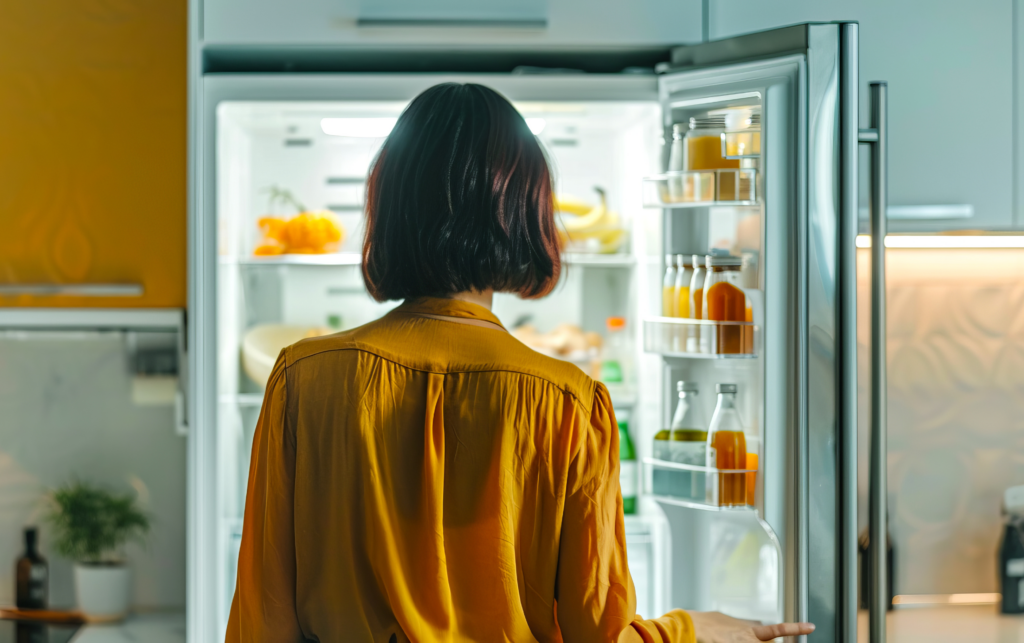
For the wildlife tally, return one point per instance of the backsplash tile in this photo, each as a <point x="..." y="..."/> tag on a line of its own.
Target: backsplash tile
<point x="956" y="410"/>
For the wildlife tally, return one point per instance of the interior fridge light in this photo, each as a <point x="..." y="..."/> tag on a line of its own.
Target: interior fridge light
<point x="358" y="127"/>
<point x="536" y="125"/>
<point x="945" y="241"/>
<point x="946" y="599"/>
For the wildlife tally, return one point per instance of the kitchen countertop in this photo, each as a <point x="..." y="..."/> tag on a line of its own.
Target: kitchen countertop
<point x="946" y="624"/>
<point x="157" y="627"/>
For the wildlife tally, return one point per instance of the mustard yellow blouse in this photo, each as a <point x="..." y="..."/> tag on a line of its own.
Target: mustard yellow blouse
<point x="418" y="479"/>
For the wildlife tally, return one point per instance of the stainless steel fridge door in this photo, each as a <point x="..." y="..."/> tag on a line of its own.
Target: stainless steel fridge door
<point x="806" y="80"/>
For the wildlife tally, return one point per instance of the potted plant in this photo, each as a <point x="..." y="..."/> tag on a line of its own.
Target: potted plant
<point x="91" y="526"/>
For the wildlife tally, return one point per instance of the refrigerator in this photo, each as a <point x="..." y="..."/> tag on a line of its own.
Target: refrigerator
<point x="785" y="213"/>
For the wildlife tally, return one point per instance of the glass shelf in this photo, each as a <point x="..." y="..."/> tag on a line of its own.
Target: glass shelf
<point x="687" y="485"/>
<point x="700" y="339"/>
<point x="701" y="188"/>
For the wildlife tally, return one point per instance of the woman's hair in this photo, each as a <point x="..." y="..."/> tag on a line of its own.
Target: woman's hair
<point x="460" y="198"/>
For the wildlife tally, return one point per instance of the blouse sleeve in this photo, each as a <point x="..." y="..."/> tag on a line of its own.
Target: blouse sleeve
<point x="264" y="605"/>
<point x="596" y="600"/>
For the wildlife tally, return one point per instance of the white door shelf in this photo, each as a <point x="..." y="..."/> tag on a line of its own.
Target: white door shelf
<point x="701" y="188"/>
<point x="696" y="486"/>
<point x="701" y="339"/>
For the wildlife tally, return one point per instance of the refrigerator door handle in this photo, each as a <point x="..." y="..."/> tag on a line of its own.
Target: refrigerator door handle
<point x="876" y="136"/>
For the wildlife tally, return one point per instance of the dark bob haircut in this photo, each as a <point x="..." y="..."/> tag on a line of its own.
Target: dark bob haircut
<point x="460" y="198"/>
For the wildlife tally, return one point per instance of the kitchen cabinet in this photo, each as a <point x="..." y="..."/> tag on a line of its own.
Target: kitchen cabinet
<point x="950" y="67"/>
<point x="93" y="159"/>
<point x="544" y="24"/>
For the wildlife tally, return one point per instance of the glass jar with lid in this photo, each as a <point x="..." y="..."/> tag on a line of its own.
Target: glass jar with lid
<point x="723" y="301"/>
<point x="704" y="152"/>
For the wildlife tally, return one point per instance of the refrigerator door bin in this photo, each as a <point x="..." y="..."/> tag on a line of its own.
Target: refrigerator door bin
<point x="695" y="188"/>
<point x="741" y="144"/>
<point x="697" y="486"/>
<point x="701" y="339"/>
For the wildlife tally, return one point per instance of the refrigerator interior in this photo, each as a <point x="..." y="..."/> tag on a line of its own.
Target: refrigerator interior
<point x="725" y="556"/>
<point x="264" y="144"/>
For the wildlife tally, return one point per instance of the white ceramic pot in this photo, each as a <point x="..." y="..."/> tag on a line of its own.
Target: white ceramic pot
<point x="103" y="591"/>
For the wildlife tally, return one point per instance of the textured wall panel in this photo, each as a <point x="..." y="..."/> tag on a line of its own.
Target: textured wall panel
<point x="956" y="410"/>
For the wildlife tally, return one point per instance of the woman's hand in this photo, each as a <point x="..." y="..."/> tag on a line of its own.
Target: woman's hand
<point x="715" y="627"/>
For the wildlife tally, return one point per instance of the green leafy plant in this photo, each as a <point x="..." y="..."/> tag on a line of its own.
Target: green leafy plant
<point x="92" y="524"/>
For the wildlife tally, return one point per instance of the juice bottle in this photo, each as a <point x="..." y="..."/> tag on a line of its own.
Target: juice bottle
<point x="689" y="442"/>
<point x="684" y="273"/>
<point x="727" y="449"/>
<point x="696" y="300"/>
<point x="668" y="288"/>
<point x="753" y="447"/>
<point x="682" y="287"/>
<point x="726" y="302"/>
<point x="661" y="479"/>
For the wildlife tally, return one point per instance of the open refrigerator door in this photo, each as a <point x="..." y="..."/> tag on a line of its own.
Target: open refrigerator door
<point x="752" y="324"/>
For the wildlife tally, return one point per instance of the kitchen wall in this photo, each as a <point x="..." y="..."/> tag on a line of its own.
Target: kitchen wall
<point x="66" y="412"/>
<point x="956" y="410"/>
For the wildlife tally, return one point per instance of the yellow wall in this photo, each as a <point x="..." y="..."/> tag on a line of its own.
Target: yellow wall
<point x="92" y="147"/>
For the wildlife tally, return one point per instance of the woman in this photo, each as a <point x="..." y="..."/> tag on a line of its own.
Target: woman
<point x="427" y="477"/>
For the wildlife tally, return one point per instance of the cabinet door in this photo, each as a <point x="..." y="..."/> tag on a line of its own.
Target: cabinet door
<point x="544" y="24"/>
<point x="949" y="65"/>
<point x="93" y="158"/>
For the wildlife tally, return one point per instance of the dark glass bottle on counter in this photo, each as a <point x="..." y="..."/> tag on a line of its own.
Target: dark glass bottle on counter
<point x="31" y="574"/>
<point x="866" y="573"/>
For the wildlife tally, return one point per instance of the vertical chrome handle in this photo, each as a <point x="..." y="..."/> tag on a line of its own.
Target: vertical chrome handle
<point x="877" y="514"/>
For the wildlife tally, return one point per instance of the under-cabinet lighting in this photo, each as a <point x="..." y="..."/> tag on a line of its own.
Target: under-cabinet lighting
<point x="946" y="599"/>
<point x="945" y="241"/>
<point x="358" y="127"/>
<point x="536" y="125"/>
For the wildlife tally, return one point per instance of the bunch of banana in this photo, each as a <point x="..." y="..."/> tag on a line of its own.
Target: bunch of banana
<point x="589" y="228"/>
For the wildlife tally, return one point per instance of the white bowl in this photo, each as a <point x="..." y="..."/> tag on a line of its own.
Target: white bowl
<point x="261" y="346"/>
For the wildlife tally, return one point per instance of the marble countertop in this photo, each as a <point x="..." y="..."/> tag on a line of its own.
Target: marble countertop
<point x="948" y="624"/>
<point x="160" y="627"/>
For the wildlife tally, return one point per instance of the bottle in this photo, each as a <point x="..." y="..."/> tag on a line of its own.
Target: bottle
<point x="724" y="301"/>
<point x="676" y="161"/>
<point x="726" y="449"/>
<point x="628" y="472"/>
<point x="661" y="478"/>
<point x="753" y="457"/>
<point x="681" y="291"/>
<point x="696" y="301"/>
<point x="32" y="575"/>
<point x="668" y="290"/>
<point x="1011" y="553"/>
<point x="615" y="365"/>
<point x="867" y="572"/>
<point x="681" y="297"/>
<point x="689" y="442"/>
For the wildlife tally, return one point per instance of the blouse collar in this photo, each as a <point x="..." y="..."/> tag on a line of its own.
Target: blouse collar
<point x="449" y="308"/>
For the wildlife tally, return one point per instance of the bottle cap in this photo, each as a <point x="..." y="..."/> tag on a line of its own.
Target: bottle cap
<point x="725" y="388"/>
<point x="718" y="260"/>
<point x="615" y="323"/>
<point x="689" y="387"/>
<point x="670" y="260"/>
<point x="681" y="261"/>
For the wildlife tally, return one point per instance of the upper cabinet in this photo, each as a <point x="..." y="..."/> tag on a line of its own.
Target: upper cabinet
<point x="950" y="67"/>
<point x="545" y="24"/>
<point x="93" y="160"/>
